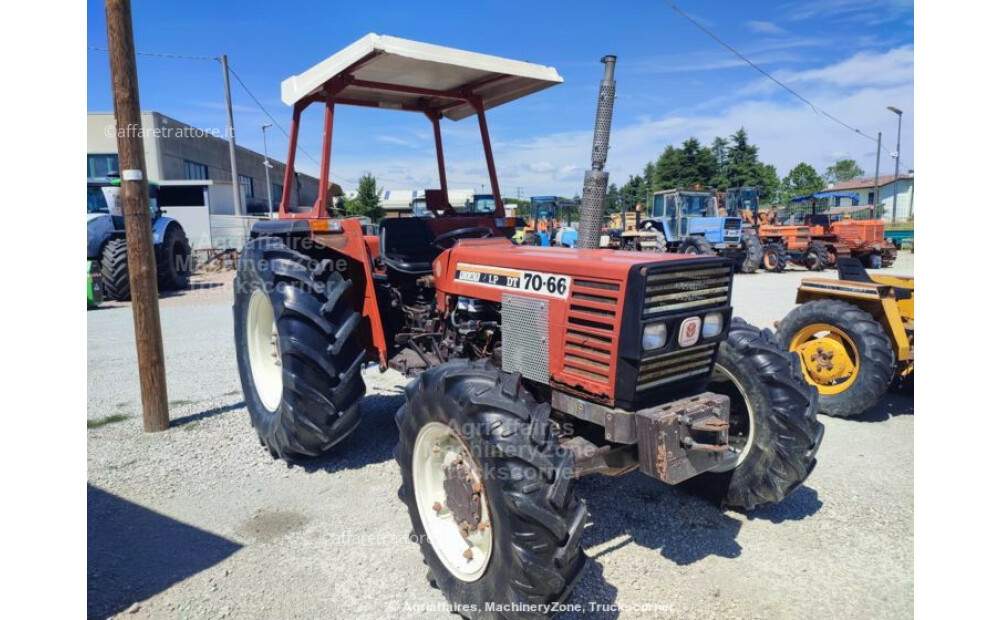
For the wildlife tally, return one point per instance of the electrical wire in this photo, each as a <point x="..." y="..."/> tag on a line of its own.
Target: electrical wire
<point x="815" y="108"/>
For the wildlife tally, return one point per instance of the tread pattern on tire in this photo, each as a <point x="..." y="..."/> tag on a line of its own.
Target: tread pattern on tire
<point x="822" y="257"/>
<point x="546" y="520"/>
<point x="787" y="433"/>
<point x="877" y="363"/>
<point x="114" y="270"/>
<point x="320" y="350"/>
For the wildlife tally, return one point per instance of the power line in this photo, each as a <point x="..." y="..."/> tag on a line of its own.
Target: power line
<point x="736" y="53"/>
<point x="160" y="55"/>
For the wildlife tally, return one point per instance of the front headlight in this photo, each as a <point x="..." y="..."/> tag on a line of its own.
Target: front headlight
<point x="654" y="336"/>
<point x="712" y="325"/>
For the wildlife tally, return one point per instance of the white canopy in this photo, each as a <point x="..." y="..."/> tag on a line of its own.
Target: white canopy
<point x="400" y="64"/>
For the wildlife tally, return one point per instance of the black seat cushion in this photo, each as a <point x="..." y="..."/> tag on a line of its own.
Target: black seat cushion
<point x="405" y="244"/>
<point x="852" y="270"/>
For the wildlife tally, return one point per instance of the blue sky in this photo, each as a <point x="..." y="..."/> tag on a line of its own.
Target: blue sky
<point x="850" y="57"/>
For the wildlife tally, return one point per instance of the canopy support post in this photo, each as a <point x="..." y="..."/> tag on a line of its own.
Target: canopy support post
<point x="477" y="102"/>
<point x="293" y="140"/>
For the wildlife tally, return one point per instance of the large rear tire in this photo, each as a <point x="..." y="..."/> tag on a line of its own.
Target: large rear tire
<point x="772" y="421"/>
<point x="519" y="475"/>
<point x="297" y="348"/>
<point x="114" y="270"/>
<point x="173" y="261"/>
<point x="753" y="251"/>
<point x="843" y="351"/>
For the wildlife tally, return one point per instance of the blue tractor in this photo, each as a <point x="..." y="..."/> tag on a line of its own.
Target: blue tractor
<point x="106" y="241"/>
<point x="550" y="223"/>
<point x="688" y="222"/>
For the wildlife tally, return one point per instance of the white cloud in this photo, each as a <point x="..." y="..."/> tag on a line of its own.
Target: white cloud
<point x="763" y="27"/>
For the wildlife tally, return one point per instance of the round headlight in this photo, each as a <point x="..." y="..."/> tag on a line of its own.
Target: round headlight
<point x="711" y="326"/>
<point x="654" y="336"/>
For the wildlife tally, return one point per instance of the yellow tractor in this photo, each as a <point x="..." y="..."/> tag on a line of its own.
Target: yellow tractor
<point x="853" y="336"/>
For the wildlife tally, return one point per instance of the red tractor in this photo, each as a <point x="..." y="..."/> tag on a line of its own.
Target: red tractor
<point x="533" y="366"/>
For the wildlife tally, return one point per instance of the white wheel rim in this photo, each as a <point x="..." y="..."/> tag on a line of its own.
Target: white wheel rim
<point x="720" y="373"/>
<point x="436" y="448"/>
<point x="262" y="345"/>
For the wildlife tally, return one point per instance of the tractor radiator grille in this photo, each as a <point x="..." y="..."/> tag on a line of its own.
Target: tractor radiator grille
<point x="674" y="366"/>
<point x="690" y="289"/>
<point x="590" y="331"/>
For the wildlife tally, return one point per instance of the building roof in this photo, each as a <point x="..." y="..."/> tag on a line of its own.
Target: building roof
<point x="866" y="182"/>
<point x="437" y="73"/>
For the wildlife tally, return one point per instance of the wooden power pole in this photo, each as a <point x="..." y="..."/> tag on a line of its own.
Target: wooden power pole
<point x="138" y="227"/>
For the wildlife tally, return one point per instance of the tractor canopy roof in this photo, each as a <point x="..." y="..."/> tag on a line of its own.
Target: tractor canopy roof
<point x="393" y="73"/>
<point x="820" y="195"/>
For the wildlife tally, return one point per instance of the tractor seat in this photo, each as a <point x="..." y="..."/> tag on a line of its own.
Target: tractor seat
<point x="852" y="270"/>
<point x="405" y="244"/>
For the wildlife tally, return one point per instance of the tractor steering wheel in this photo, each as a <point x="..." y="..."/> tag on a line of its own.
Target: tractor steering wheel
<point x="452" y="236"/>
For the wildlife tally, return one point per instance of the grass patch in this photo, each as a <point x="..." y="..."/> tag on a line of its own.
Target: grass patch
<point x="108" y="419"/>
<point x="180" y="403"/>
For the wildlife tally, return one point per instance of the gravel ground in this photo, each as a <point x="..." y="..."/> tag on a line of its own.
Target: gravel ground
<point x="199" y="522"/>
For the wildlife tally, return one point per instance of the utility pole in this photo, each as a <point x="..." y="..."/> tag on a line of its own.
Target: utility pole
<point x="267" y="172"/>
<point x="138" y="227"/>
<point x="895" y="177"/>
<point x="237" y="196"/>
<point x="878" y="160"/>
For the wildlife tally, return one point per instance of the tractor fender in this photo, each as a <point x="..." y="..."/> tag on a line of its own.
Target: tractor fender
<point x="354" y="258"/>
<point x="100" y="228"/>
<point x="658" y="224"/>
<point x="160" y="226"/>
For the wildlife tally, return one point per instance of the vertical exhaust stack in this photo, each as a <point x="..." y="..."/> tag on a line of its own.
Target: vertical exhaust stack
<point x="595" y="181"/>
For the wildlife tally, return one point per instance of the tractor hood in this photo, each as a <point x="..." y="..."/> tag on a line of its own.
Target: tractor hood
<point x="603" y="264"/>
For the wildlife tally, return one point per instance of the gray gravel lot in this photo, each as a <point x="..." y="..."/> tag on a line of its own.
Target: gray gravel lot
<point x="199" y="522"/>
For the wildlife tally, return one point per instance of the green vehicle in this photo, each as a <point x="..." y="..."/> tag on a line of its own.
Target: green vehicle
<point x="94" y="293"/>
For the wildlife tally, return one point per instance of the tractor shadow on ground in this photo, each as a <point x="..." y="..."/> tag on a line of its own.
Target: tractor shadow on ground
<point x="639" y="510"/>
<point x="891" y="405"/>
<point x="593" y="595"/>
<point x="193" y="288"/>
<point x="371" y="442"/>
<point x="134" y="553"/>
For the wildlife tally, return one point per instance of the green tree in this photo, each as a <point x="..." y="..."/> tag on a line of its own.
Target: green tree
<point x="634" y="191"/>
<point x="801" y="181"/>
<point x="366" y="202"/>
<point x="742" y="167"/>
<point x="843" y="170"/>
<point x="720" y="151"/>
<point x="690" y="165"/>
<point x="768" y="183"/>
<point x="612" y="202"/>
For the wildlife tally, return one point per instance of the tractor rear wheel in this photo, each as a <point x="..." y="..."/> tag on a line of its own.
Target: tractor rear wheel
<point x="489" y="490"/>
<point x="173" y="261"/>
<point x="114" y="270"/>
<point x="843" y="351"/>
<point x="753" y="251"/>
<point x="696" y="245"/>
<point x="816" y="257"/>
<point x="297" y="348"/>
<point x="775" y="258"/>
<point x="772" y="420"/>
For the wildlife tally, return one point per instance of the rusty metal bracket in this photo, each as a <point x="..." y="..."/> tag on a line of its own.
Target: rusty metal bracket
<point x="684" y="438"/>
<point x="619" y="425"/>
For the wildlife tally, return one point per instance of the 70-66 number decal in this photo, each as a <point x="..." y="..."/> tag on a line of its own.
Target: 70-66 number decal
<point x="538" y="282"/>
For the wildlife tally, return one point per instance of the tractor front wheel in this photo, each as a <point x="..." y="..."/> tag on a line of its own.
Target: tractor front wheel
<point x="696" y="245"/>
<point x="297" y="349"/>
<point x="775" y="258"/>
<point x="772" y="417"/>
<point x="843" y="351"/>
<point x="489" y="490"/>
